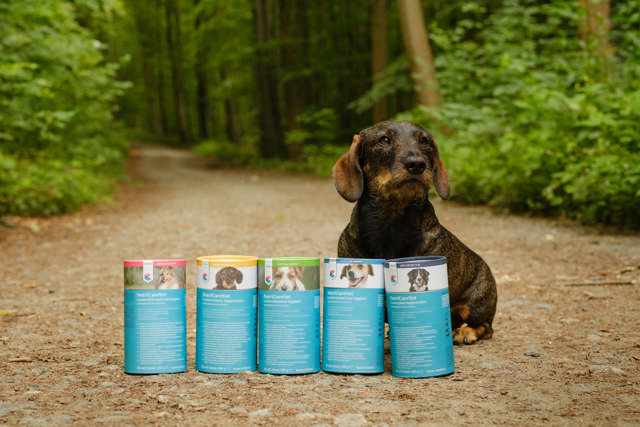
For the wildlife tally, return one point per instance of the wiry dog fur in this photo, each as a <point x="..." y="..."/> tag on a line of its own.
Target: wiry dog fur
<point x="228" y="279"/>
<point x="388" y="172"/>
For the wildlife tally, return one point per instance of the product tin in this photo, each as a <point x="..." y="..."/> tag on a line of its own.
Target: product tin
<point x="353" y="316"/>
<point x="155" y="320"/>
<point x="227" y="311"/>
<point x="289" y="315"/>
<point x="417" y="295"/>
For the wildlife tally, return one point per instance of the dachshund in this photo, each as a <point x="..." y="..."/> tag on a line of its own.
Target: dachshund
<point x="388" y="171"/>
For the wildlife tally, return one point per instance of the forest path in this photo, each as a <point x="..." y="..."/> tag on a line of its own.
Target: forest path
<point x="561" y="353"/>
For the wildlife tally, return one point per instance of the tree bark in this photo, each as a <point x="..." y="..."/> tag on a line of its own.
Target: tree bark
<point x="271" y="142"/>
<point x="379" y="48"/>
<point x="595" y="25"/>
<point x="202" y="81"/>
<point x="416" y="41"/>
<point x="174" y="46"/>
<point x="293" y="16"/>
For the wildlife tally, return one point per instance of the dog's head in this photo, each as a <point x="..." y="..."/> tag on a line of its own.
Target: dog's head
<point x="418" y="278"/>
<point x="287" y="279"/>
<point x="168" y="279"/>
<point x="357" y="274"/>
<point x="395" y="161"/>
<point x="228" y="278"/>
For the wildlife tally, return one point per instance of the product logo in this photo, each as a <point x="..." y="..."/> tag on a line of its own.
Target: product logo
<point x="205" y="277"/>
<point x="267" y="279"/>
<point x="147" y="277"/>
<point x="332" y="274"/>
<point x="394" y="279"/>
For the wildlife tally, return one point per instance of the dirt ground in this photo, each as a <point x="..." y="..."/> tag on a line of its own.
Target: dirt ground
<point x="566" y="348"/>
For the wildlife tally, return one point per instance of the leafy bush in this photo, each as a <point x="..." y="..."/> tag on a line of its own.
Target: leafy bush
<point x="231" y="154"/>
<point x="59" y="146"/>
<point x="536" y="121"/>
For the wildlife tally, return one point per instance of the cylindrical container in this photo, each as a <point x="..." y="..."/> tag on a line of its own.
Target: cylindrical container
<point x="353" y="316"/>
<point x="155" y="316"/>
<point x="417" y="292"/>
<point x="227" y="310"/>
<point x="289" y="315"/>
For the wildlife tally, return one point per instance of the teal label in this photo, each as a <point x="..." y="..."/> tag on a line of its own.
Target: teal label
<point x="353" y="330"/>
<point x="289" y="332"/>
<point x="420" y="333"/>
<point x="226" y="331"/>
<point x="155" y="331"/>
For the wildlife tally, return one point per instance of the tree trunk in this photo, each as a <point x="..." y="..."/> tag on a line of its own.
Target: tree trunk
<point x="271" y="142"/>
<point x="147" y="48"/>
<point x="379" y="55"/>
<point x="596" y="25"/>
<point x="233" y="130"/>
<point x="174" y="46"/>
<point x="416" y="41"/>
<point x="292" y="23"/>
<point x="202" y="81"/>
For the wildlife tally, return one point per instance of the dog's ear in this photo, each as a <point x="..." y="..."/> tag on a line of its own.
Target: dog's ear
<point x="370" y="268"/>
<point x="219" y="278"/>
<point x="238" y="276"/>
<point x="347" y="173"/>
<point x="299" y="271"/>
<point x="344" y="271"/>
<point x="441" y="180"/>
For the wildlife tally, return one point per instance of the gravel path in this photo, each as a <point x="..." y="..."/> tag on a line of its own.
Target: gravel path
<point x="566" y="348"/>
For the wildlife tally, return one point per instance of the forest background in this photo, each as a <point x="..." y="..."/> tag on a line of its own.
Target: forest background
<point x="535" y="105"/>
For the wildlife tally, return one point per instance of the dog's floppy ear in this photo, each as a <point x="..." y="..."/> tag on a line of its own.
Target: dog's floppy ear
<point x="441" y="180"/>
<point x="299" y="271"/>
<point x="347" y="173"/>
<point x="238" y="275"/>
<point x="370" y="268"/>
<point x="344" y="271"/>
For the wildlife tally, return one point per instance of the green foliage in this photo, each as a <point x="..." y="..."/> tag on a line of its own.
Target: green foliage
<point x="225" y="151"/>
<point x="535" y="120"/>
<point x="59" y="146"/>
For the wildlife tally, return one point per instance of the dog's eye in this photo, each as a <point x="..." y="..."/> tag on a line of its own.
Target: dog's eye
<point x="384" y="140"/>
<point x="424" y="140"/>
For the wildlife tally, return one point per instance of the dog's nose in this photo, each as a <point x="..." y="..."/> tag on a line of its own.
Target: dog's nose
<point x="415" y="165"/>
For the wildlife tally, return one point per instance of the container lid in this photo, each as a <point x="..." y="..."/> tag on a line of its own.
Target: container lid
<point x="156" y="262"/>
<point x="290" y="262"/>
<point x="229" y="260"/>
<point x="354" y="260"/>
<point x="419" y="261"/>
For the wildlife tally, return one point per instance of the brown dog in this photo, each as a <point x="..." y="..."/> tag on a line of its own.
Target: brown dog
<point x="228" y="279"/>
<point x="388" y="171"/>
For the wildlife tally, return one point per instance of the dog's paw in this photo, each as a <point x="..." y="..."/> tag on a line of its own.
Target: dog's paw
<point x="464" y="335"/>
<point x="468" y="335"/>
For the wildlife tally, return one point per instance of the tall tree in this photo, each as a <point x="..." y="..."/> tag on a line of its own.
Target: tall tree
<point x="202" y="81"/>
<point x="595" y="25"/>
<point x="176" y="58"/>
<point x="379" y="50"/>
<point x="294" y="38"/>
<point x="415" y="36"/>
<point x="271" y="141"/>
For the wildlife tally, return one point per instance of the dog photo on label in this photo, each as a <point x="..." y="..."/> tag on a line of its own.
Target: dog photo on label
<point x="357" y="274"/>
<point x="168" y="279"/>
<point x="228" y="279"/>
<point x="388" y="172"/>
<point x="287" y="279"/>
<point x="418" y="279"/>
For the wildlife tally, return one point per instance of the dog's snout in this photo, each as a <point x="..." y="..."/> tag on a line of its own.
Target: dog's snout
<point x="415" y="164"/>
